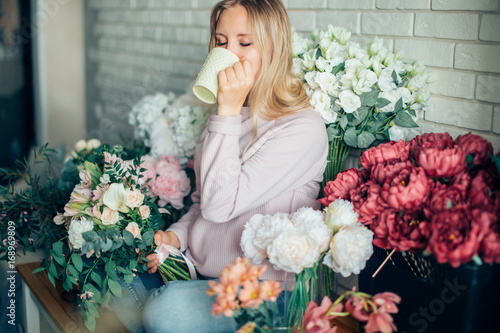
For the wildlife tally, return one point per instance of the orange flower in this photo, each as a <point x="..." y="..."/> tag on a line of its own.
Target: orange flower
<point x="224" y="305"/>
<point x="269" y="290"/>
<point x="250" y="295"/>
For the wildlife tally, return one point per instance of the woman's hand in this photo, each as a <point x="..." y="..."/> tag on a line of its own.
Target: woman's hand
<point x="161" y="237"/>
<point x="234" y="85"/>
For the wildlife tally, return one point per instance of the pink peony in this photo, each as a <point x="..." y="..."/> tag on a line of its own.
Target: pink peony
<point x="385" y="152"/>
<point x="474" y="144"/>
<point x="443" y="198"/>
<point x="454" y="238"/>
<point x="430" y="140"/>
<point x="441" y="163"/>
<point x="340" y="187"/>
<point x="407" y="190"/>
<point x="366" y="202"/>
<point x="406" y="231"/>
<point x="381" y="172"/>
<point x="317" y="318"/>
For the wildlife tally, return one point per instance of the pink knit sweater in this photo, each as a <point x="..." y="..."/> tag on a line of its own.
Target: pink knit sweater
<point x="279" y="172"/>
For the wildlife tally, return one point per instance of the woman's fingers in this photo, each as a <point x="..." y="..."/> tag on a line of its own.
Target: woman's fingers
<point x="153" y="264"/>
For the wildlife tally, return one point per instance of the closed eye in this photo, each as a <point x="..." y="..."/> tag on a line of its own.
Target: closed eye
<point x="221" y="44"/>
<point x="245" y="44"/>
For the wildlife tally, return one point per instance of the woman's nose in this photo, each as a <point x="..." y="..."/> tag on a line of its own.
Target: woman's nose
<point x="233" y="47"/>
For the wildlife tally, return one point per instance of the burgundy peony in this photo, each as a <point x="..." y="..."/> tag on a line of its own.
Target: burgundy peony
<point x="477" y="145"/>
<point x="430" y="140"/>
<point x="443" y="197"/>
<point x="490" y="248"/>
<point x="367" y="202"/>
<point x="481" y="189"/>
<point x="441" y="163"/>
<point x="407" y="190"/>
<point x="340" y="187"/>
<point x="454" y="237"/>
<point x="385" y="152"/>
<point x="406" y="231"/>
<point x="462" y="179"/>
<point x="381" y="172"/>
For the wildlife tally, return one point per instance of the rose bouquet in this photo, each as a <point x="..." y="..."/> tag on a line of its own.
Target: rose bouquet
<point x="111" y="221"/>
<point x="366" y="95"/>
<point x="170" y="126"/>
<point x="255" y="306"/>
<point x="432" y="193"/>
<point x="299" y="242"/>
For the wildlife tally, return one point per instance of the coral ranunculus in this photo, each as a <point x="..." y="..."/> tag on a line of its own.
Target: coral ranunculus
<point x="441" y="163"/>
<point x="407" y="190"/>
<point x="474" y="144"/>
<point x="385" y="152"/>
<point x="341" y="186"/>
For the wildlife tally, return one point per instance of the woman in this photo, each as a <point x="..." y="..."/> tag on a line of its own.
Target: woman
<point x="263" y="151"/>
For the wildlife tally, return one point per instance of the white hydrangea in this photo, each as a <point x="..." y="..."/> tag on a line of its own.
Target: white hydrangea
<point x="77" y="227"/>
<point x="340" y="213"/>
<point x="350" y="249"/>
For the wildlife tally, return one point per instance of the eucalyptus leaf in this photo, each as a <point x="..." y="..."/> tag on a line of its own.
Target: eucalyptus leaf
<point x="106" y="244"/>
<point x="375" y="126"/>
<point x="353" y="121"/>
<point x="117" y="243"/>
<point x="148" y="237"/>
<point x="381" y="102"/>
<point x="403" y="119"/>
<point x="365" y="139"/>
<point x="86" y="247"/>
<point x="369" y="98"/>
<point x="343" y="122"/>
<point x="90" y="236"/>
<point x="361" y="113"/>
<point x="381" y="137"/>
<point x="350" y="138"/>
<point x="128" y="238"/>
<point x="332" y="132"/>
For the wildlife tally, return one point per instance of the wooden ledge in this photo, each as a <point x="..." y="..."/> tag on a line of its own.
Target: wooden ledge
<point x="66" y="316"/>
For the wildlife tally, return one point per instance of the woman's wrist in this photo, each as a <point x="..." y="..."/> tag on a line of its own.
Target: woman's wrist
<point x="227" y="111"/>
<point x="173" y="239"/>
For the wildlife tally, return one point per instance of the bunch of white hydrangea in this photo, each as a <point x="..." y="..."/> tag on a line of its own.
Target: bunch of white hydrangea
<point x="337" y="72"/>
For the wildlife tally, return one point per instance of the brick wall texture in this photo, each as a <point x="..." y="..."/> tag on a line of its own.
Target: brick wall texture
<point x="138" y="47"/>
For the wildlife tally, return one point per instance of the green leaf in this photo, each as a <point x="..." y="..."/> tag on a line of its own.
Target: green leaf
<point x="58" y="248"/>
<point x="343" y="122"/>
<point x="381" y="137"/>
<point x="369" y="98"/>
<point x="37" y="270"/>
<point x="350" y="138"/>
<point x="469" y="159"/>
<point x="105" y="298"/>
<point x="128" y="237"/>
<point x="90" y="236"/>
<point x="394" y="76"/>
<point x="116" y="244"/>
<point x="353" y="121"/>
<point x="97" y="278"/>
<point x="52" y="280"/>
<point x="77" y="261"/>
<point x="381" y="102"/>
<point x="89" y="322"/>
<point x="365" y="139"/>
<point x="399" y="105"/>
<point x="53" y="270"/>
<point x="332" y="132"/>
<point x="361" y="113"/>
<point x="67" y="285"/>
<point x="318" y="53"/>
<point x="403" y="119"/>
<point x="59" y="259"/>
<point x="496" y="159"/>
<point x="148" y="237"/>
<point x="374" y="127"/>
<point x="114" y="287"/>
<point x="110" y="269"/>
<point x="338" y="68"/>
<point x="128" y="278"/>
<point x="73" y="270"/>
<point x="132" y="264"/>
<point x="106" y="244"/>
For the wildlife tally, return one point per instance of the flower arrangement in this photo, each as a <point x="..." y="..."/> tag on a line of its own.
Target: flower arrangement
<point x="169" y="126"/>
<point x="432" y="193"/>
<point x="255" y="306"/>
<point x="298" y="242"/>
<point x="111" y="221"/>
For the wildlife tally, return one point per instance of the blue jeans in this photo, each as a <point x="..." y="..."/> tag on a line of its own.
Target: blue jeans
<point x="147" y="305"/>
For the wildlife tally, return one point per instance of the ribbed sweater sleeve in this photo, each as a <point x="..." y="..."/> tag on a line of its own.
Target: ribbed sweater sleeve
<point x="230" y="186"/>
<point x="181" y="227"/>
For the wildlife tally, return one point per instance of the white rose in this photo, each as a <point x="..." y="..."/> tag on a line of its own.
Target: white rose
<point x="324" y="43"/>
<point x="109" y="216"/>
<point x="93" y="144"/>
<point x="352" y="49"/>
<point x="326" y="81"/>
<point x="135" y="198"/>
<point x="311" y="221"/>
<point x="297" y="68"/>
<point x="116" y="197"/>
<point x="385" y="81"/>
<point x="134" y="229"/>
<point x="254" y="253"/>
<point x="340" y="213"/>
<point x="366" y="79"/>
<point x="310" y="59"/>
<point x="348" y="80"/>
<point x="416" y="82"/>
<point x="80" y="145"/>
<point x="336" y="54"/>
<point x="270" y="227"/>
<point x="309" y="77"/>
<point x="375" y="46"/>
<point x="145" y="211"/>
<point x="293" y="250"/>
<point x="349" y="101"/>
<point x="321" y="64"/>
<point x="77" y="227"/>
<point x="350" y="249"/>
<point x="397" y="133"/>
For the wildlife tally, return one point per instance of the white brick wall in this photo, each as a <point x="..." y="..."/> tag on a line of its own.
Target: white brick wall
<point x="457" y="39"/>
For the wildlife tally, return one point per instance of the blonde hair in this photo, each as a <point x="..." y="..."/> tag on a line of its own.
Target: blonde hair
<point x="277" y="91"/>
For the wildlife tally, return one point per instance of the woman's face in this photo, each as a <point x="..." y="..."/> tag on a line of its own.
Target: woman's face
<point x="233" y="32"/>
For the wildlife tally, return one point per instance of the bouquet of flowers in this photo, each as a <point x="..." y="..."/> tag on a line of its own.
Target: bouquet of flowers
<point x="432" y="193"/>
<point x="253" y="304"/>
<point x="111" y="221"/>
<point x="366" y="95"/>
<point x="170" y="126"/>
<point x="298" y="242"/>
